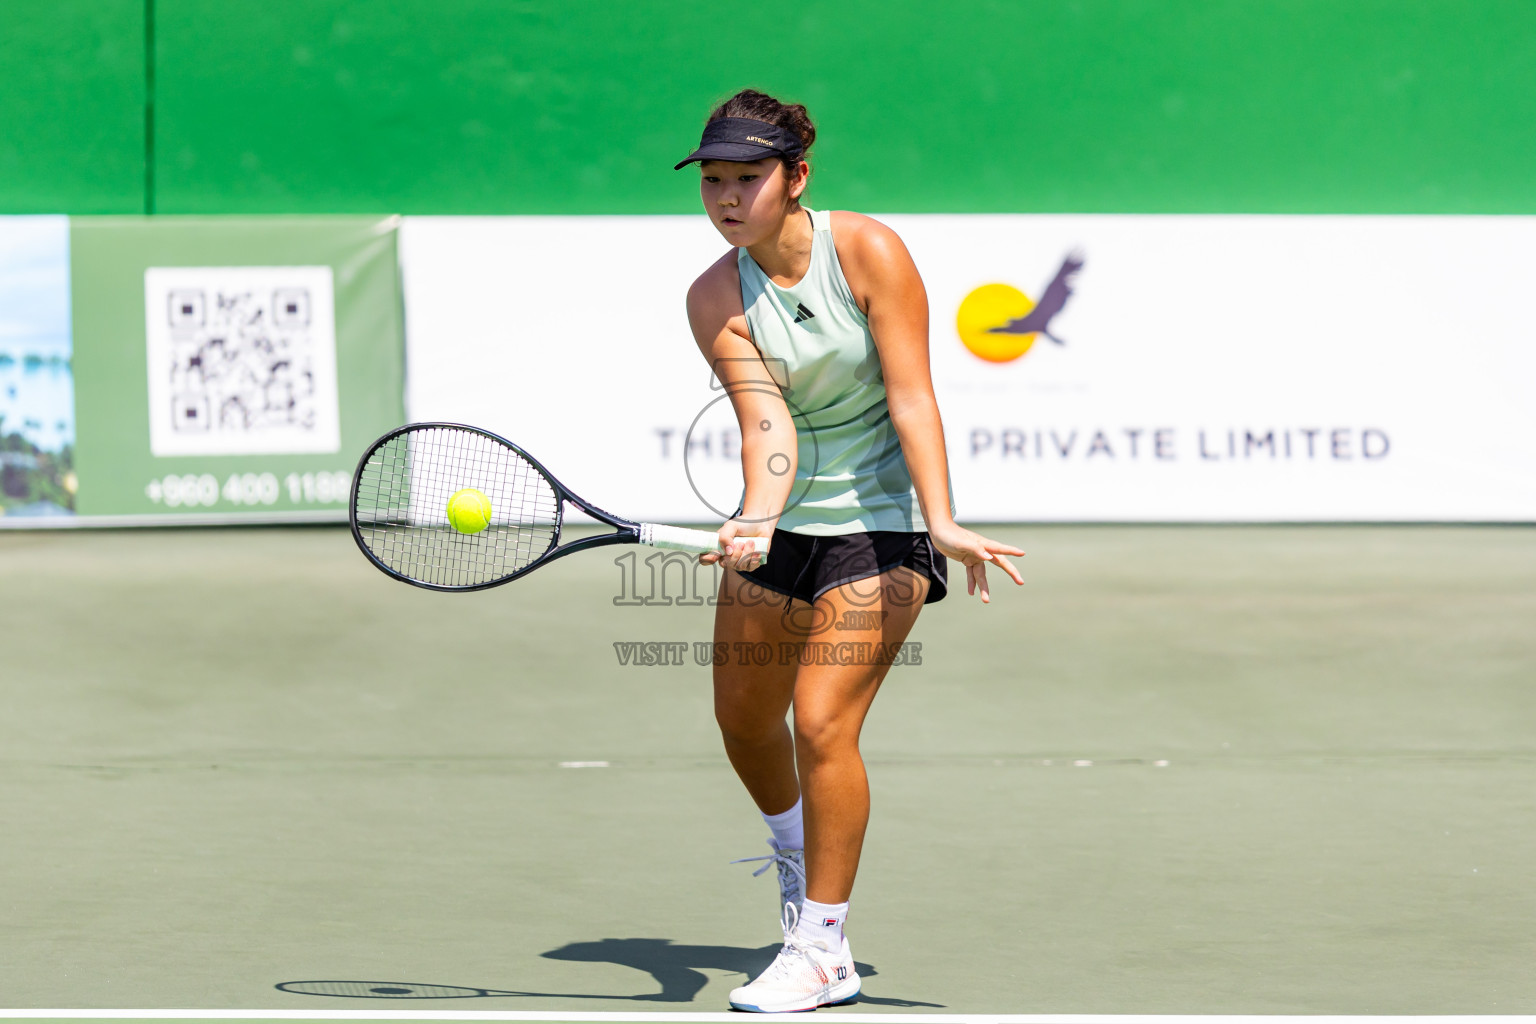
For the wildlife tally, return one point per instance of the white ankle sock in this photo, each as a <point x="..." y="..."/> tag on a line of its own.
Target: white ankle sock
<point x="822" y="923"/>
<point x="788" y="831"/>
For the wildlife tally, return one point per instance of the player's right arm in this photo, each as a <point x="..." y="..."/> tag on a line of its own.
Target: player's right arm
<point x="768" y="441"/>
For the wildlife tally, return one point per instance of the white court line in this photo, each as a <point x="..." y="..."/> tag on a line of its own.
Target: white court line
<point x="744" y="1018"/>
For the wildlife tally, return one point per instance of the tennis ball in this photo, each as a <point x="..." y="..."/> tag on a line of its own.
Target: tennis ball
<point x="469" y="510"/>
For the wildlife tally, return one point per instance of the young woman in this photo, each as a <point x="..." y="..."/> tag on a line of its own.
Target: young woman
<point x="816" y="324"/>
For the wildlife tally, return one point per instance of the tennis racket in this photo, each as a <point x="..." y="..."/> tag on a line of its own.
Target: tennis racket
<point x="400" y="520"/>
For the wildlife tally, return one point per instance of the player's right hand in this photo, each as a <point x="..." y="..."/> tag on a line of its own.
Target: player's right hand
<point x="734" y="555"/>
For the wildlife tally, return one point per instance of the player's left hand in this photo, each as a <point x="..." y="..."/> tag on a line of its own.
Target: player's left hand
<point x="974" y="551"/>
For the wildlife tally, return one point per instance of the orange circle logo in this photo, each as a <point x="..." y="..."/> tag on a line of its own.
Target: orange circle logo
<point x="993" y="305"/>
<point x="999" y="323"/>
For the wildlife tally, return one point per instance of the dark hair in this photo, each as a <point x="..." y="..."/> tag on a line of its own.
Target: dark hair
<point x="762" y="107"/>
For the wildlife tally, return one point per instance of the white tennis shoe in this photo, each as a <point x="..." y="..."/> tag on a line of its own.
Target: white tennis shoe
<point x="791" y="865"/>
<point x="802" y="977"/>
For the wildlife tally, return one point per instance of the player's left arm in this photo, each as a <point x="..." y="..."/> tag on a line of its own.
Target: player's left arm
<point x="887" y="286"/>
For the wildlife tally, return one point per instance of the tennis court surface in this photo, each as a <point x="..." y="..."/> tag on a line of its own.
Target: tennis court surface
<point x="1185" y="770"/>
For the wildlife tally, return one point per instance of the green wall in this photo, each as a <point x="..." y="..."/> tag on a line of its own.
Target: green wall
<point x="490" y="106"/>
<point x="72" y="106"/>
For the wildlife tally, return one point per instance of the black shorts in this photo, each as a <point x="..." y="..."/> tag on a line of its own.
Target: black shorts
<point x="805" y="567"/>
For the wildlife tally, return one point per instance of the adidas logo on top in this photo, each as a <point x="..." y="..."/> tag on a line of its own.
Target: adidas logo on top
<point x="802" y="314"/>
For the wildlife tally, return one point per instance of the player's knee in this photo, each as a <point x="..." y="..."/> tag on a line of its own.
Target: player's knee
<point x="821" y="737"/>
<point x="746" y="728"/>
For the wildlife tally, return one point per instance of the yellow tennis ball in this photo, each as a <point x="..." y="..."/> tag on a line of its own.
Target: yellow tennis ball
<point x="469" y="510"/>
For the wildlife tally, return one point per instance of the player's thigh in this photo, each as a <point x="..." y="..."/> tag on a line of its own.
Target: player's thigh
<point x="843" y="664"/>
<point x="756" y="641"/>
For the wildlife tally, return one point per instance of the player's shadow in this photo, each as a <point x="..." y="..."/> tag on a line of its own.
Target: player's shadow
<point x="678" y="968"/>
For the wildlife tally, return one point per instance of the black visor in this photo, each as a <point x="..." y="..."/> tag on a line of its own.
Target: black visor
<point x="743" y="140"/>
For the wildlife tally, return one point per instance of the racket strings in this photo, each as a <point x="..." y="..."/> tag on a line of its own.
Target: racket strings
<point x="403" y="492"/>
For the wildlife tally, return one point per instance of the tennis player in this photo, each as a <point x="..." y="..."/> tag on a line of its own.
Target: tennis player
<point x="816" y="324"/>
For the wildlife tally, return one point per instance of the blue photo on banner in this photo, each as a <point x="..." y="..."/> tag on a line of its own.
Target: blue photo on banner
<point x="37" y="387"/>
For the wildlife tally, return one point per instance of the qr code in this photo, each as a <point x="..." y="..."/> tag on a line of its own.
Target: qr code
<point x="242" y="360"/>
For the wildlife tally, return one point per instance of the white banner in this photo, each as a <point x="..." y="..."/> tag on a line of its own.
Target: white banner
<point x="1199" y="368"/>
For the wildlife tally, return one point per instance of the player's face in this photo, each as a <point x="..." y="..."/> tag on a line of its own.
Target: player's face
<point x="747" y="201"/>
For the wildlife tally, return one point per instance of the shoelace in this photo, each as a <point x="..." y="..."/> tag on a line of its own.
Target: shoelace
<point x="792" y="959"/>
<point x="791" y="874"/>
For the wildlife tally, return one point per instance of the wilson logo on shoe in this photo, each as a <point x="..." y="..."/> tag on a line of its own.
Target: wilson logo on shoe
<point x="842" y="974"/>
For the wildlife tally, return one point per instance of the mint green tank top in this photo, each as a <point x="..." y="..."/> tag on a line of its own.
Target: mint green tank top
<point x="851" y="476"/>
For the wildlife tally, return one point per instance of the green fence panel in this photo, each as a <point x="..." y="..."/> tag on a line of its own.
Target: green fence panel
<point x="481" y="106"/>
<point x="72" y="106"/>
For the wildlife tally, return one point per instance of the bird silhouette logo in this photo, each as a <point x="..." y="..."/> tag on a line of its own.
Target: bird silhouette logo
<point x="999" y="323"/>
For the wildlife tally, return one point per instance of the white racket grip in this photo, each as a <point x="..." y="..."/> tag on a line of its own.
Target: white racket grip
<point x="676" y="538"/>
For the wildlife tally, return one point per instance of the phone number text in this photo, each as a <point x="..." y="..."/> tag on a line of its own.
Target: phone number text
<point x="194" y="490"/>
